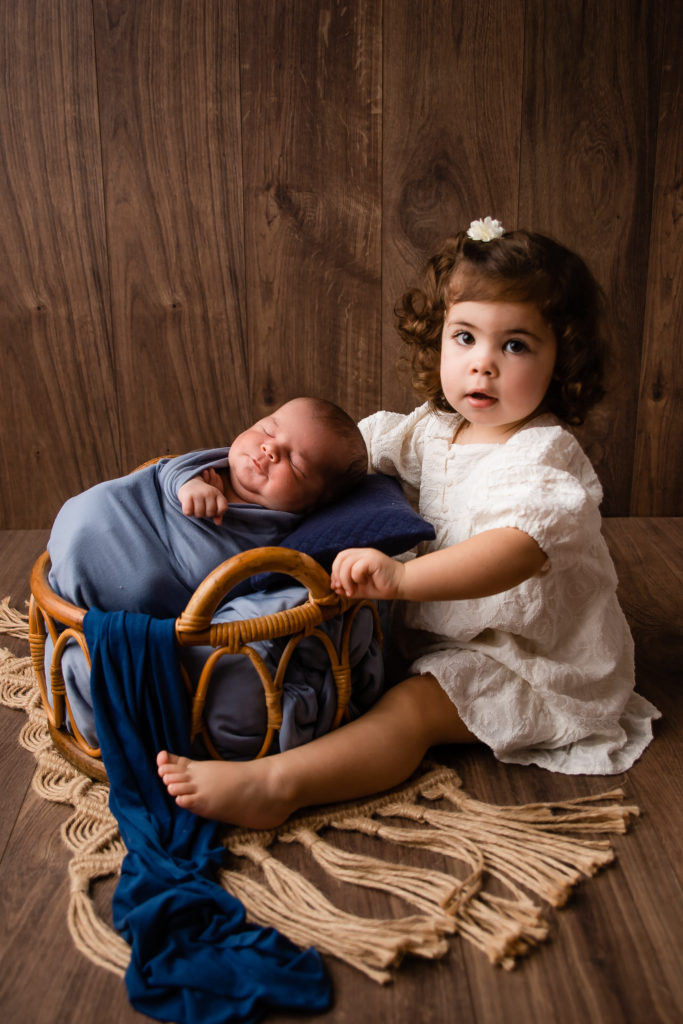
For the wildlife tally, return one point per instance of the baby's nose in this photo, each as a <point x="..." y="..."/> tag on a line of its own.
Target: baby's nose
<point x="270" y="451"/>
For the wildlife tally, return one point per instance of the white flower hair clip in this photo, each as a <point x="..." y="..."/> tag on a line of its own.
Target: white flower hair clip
<point x="485" y="230"/>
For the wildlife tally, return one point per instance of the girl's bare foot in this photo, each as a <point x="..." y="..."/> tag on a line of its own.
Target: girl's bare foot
<point x="246" y="793"/>
<point x="368" y="755"/>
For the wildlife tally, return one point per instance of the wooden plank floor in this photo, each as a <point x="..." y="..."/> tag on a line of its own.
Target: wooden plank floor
<point x="614" y="953"/>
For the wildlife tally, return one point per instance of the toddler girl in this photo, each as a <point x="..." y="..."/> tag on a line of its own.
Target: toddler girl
<point x="511" y="614"/>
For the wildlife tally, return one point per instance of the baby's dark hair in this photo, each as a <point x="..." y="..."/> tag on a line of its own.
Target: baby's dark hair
<point x="519" y="266"/>
<point x="338" y="483"/>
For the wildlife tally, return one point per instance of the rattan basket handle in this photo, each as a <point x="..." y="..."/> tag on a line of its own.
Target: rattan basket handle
<point x="196" y="618"/>
<point x="64" y="611"/>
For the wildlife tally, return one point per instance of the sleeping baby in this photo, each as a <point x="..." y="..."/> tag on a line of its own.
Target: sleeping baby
<point x="143" y="543"/>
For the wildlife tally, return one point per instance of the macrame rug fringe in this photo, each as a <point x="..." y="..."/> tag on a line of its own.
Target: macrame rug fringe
<point x="505" y="861"/>
<point x="529" y="850"/>
<point x="90" y="832"/>
<point x="13" y="622"/>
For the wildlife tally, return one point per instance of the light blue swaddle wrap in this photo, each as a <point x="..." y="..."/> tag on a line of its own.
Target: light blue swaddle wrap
<point x="125" y="544"/>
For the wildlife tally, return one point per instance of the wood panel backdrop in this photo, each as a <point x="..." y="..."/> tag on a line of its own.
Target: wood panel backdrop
<point x="209" y="207"/>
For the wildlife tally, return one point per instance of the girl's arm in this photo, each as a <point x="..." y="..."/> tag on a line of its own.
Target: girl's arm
<point x="485" y="564"/>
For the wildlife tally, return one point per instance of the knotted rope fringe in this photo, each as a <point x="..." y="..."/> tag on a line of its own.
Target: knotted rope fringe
<point x="529" y="849"/>
<point x="90" y="832"/>
<point x="13" y="622"/>
<point x="518" y="846"/>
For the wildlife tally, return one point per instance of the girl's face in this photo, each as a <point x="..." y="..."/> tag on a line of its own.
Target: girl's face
<point x="497" y="361"/>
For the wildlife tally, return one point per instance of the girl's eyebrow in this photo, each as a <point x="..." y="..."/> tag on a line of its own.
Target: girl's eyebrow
<point x="531" y="334"/>
<point x="525" y="332"/>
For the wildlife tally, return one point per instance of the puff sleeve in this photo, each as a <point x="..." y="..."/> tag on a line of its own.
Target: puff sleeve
<point x="395" y="444"/>
<point x="546" y="487"/>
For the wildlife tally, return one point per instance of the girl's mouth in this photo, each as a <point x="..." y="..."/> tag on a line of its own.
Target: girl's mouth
<point x="480" y="400"/>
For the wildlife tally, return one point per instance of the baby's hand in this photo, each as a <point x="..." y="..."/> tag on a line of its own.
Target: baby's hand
<point x="365" y="572"/>
<point x="211" y="476"/>
<point x="203" y="498"/>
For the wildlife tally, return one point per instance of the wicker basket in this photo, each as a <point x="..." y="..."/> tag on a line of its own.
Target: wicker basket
<point x="49" y="613"/>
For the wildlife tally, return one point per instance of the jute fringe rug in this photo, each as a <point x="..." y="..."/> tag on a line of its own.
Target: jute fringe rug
<point x="506" y="861"/>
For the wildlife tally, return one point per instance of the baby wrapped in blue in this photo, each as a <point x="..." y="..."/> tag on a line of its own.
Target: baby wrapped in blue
<point x="126" y="545"/>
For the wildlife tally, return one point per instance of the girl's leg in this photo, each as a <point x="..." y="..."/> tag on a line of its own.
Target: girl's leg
<point x="371" y="754"/>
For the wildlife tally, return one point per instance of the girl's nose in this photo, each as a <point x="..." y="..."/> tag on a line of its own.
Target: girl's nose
<point x="483" y="362"/>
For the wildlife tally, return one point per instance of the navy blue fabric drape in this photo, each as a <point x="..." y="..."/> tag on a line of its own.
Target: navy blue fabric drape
<point x="194" y="958"/>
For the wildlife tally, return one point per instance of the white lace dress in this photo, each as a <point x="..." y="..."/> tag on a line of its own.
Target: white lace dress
<point x="542" y="673"/>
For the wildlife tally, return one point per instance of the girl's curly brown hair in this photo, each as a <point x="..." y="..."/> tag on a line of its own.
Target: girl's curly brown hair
<point x="520" y="266"/>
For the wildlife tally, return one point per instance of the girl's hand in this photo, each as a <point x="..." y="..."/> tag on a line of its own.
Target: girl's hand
<point x="488" y="563"/>
<point x="203" y="499"/>
<point x="365" y="572"/>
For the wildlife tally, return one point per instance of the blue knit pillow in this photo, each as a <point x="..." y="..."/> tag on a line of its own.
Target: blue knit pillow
<point x="376" y="514"/>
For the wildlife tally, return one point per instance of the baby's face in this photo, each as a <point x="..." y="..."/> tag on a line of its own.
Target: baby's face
<point x="283" y="461"/>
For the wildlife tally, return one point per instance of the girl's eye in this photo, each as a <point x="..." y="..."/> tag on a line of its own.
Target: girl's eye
<point x="463" y="338"/>
<point x="515" y="346"/>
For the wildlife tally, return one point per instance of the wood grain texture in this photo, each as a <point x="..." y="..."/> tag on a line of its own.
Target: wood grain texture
<point x="450" y="140"/>
<point x="311" y="125"/>
<point x="210" y="207"/>
<point x="648" y="554"/>
<point x="58" y="416"/>
<point x="657" y="476"/>
<point x="16" y="765"/>
<point x="171" y="143"/>
<point x="591" y="88"/>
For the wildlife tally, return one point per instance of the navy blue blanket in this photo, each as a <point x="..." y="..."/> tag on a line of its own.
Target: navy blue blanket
<point x="194" y="958"/>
